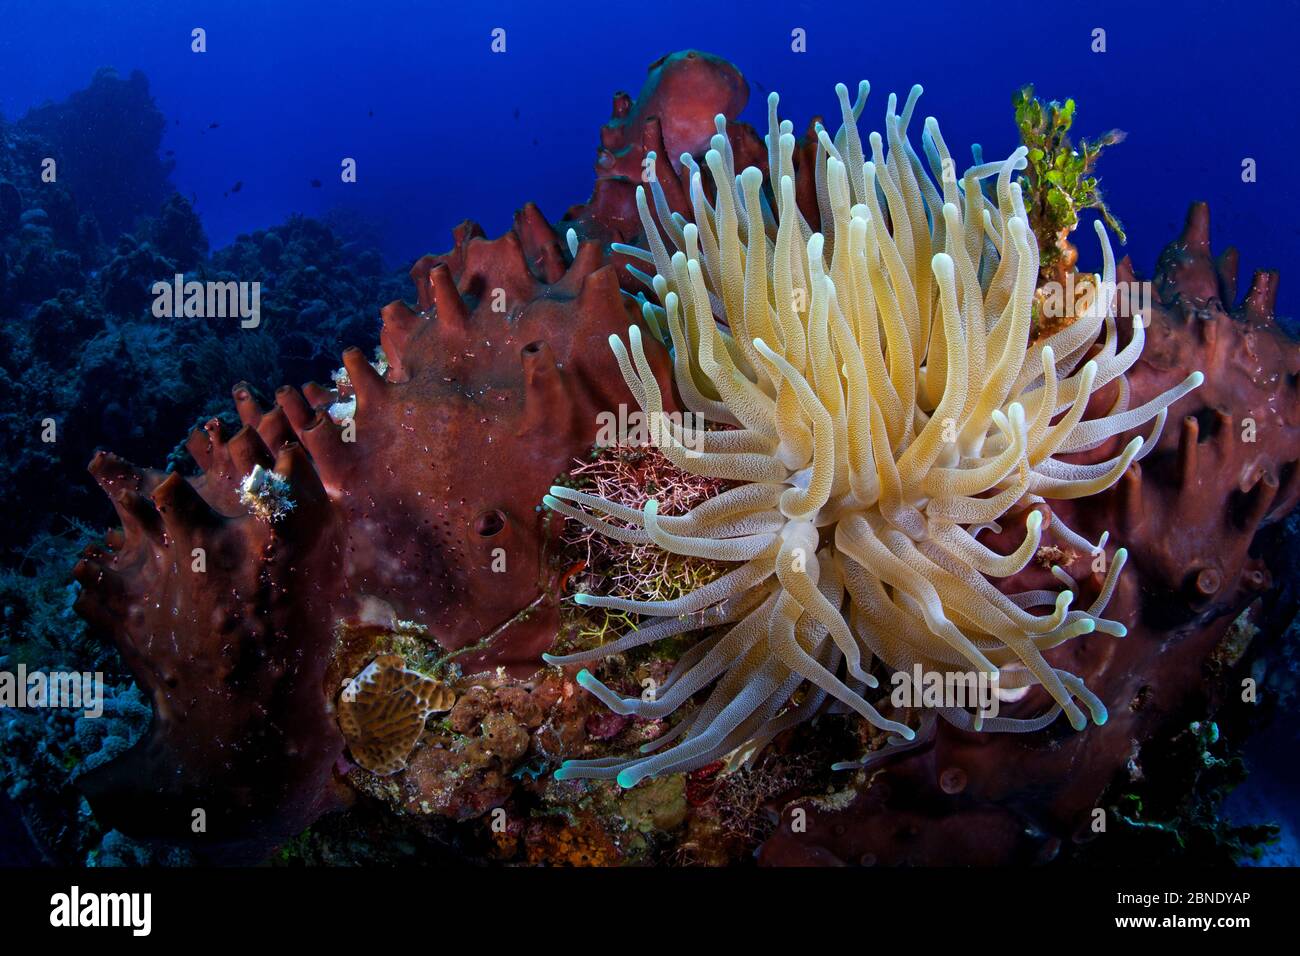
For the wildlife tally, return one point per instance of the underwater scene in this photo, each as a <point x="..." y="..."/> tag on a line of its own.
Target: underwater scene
<point x="500" y="435"/>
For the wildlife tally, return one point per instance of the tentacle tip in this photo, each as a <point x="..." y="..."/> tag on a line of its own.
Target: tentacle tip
<point x="582" y="598"/>
<point x="627" y="779"/>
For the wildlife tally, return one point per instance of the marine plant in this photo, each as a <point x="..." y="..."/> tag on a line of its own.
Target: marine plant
<point x="1059" y="178"/>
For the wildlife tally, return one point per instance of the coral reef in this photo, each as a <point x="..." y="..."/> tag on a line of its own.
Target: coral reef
<point x="105" y="141"/>
<point x="77" y="294"/>
<point x="1189" y="516"/>
<point x="319" y="296"/>
<point x="383" y="709"/>
<point x="46" y="748"/>
<point x="381" y="504"/>
<point x="96" y="367"/>
<point x="420" y="495"/>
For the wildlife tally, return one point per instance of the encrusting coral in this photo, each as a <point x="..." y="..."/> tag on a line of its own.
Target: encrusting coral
<point x="383" y="709"/>
<point x="874" y="390"/>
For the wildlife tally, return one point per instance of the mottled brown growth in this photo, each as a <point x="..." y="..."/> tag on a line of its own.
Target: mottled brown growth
<point x="383" y="709"/>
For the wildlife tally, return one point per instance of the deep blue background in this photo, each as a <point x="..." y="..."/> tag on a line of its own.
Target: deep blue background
<point x="1198" y="85"/>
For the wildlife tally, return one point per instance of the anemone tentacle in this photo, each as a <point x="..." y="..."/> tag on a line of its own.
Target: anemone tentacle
<point x="883" y="404"/>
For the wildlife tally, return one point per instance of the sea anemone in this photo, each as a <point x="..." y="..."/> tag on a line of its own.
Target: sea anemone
<point x="874" y="390"/>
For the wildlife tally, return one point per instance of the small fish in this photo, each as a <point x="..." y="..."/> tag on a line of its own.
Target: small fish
<point x="315" y="184"/>
<point x="237" y="187"/>
<point x="371" y="114"/>
<point x="516" y="112"/>
<point x="171" y="152"/>
<point x="213" y="125"/>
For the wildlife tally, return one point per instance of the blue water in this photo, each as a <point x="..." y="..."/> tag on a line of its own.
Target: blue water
<point x="443" y="129"/>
